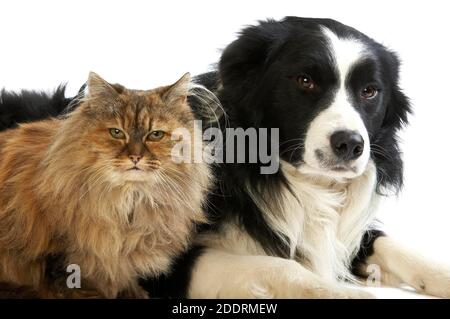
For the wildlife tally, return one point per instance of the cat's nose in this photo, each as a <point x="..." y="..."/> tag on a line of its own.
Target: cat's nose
<point x="135" y="158"/>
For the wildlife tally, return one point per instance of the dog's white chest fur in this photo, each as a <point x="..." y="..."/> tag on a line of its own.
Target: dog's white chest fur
<point x="323" y="223"/>
<point x="326" y="219"/>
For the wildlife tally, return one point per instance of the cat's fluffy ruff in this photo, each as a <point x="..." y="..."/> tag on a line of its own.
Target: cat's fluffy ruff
<point x="60" y="194"/>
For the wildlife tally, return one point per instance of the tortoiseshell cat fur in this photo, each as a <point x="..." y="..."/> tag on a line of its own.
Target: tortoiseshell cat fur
<point x="100" y="187"/>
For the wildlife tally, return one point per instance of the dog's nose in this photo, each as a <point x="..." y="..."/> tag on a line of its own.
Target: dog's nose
<point x="347" y="145"/>
<point x="135" y="158"/>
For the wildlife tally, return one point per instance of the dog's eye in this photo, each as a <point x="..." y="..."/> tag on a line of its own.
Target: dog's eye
<point x="306" y="82"/>
<point x="369" y="92"/>
<point x="156" y="135"/>
<point x="117" y="133"/>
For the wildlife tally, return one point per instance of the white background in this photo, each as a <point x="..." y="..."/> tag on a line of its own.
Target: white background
<point x="143" y="44"/>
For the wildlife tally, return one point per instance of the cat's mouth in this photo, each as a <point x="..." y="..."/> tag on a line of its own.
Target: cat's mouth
<point x="135" y="174"/>
<point x="135" y="168"/>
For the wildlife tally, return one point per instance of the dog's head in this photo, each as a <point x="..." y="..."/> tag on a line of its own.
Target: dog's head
<point x="332" y="91"/>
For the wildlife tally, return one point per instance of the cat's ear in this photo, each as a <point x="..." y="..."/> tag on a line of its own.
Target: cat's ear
<point x="99" y="88"/>
<point x="177" y="92"/>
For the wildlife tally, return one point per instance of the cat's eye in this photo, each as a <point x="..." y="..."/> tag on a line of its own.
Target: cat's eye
<point x="117" y="133"/>
<point x="155" y="135"/>
<point x="306" y="83"/>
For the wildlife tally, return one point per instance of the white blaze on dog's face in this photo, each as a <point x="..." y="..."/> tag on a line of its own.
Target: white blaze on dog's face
<point x="337" y="142"/>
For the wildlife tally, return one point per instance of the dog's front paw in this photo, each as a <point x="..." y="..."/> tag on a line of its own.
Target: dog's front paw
<point x="336" y="291"/>
<point x="432" y="280"/>
<point x="354" y="293"/>
<point x="306" y="289"/>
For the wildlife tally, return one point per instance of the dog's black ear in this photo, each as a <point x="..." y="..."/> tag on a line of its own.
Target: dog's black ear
<point x="398" y="106"/>
<point x="243" y="60"/>
<point x="398" y="109"/>
<point x="390" y="170"/>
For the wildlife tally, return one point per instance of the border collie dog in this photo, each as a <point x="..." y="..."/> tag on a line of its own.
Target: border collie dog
<point x="332" y="92"/>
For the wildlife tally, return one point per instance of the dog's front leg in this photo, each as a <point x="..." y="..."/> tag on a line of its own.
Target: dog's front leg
<point x="401" y="265"/>
<point x="218" y="274"/>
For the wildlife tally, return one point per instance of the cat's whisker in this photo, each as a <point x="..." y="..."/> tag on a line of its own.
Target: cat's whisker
<point x="292" y="140"/>
<point x="167" y="191"/>
<point x="180" y="178"/>
<point x="177" y="189"/>
<point x="210" y="102"/>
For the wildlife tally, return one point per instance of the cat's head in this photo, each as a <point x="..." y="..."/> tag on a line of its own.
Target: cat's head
<point x="128" y="135"/>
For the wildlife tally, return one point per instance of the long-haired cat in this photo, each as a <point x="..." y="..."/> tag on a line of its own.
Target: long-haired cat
<point x="101" y="188"/>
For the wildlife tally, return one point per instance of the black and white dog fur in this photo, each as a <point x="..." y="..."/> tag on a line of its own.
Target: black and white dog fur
<point x="333" y="93"/>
